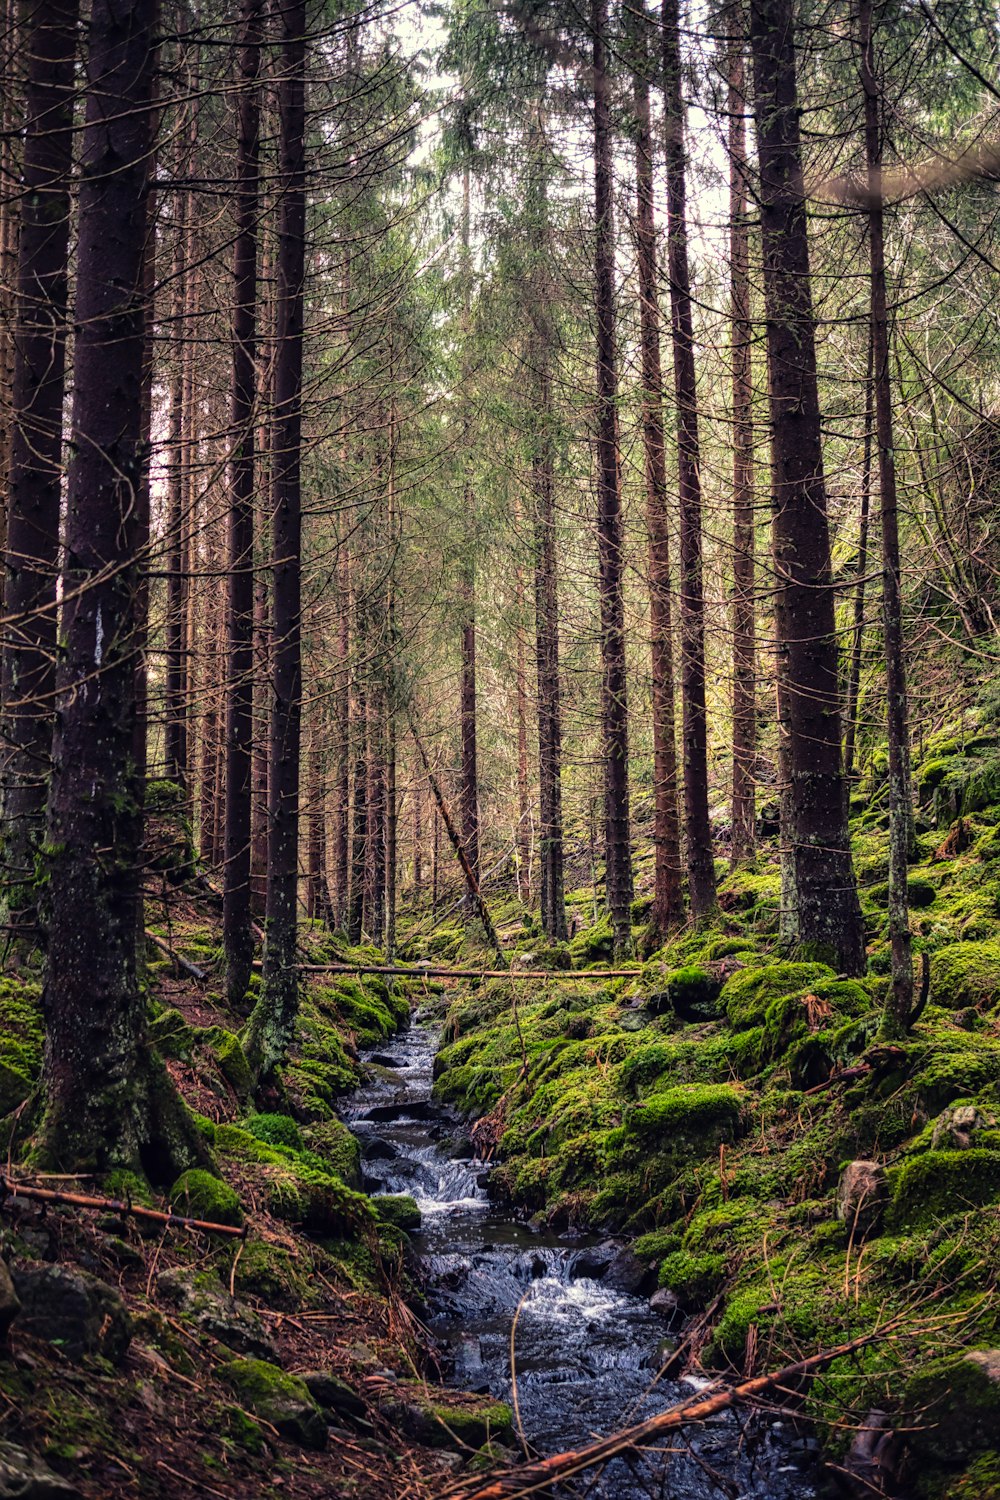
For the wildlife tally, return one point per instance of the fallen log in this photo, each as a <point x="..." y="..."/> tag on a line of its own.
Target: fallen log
<point x="184" y="964"/>
<point x="11" y="1188"/>
<point x="529" y="1478"/>
<point x="428" y="971"/>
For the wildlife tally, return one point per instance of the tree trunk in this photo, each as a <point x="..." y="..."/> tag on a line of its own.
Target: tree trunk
<point x="858" y="623"/>
<point x="237" y="918"/>
<point x="668" y="899"/>
<point x="697" y="824"/>
<point x="744" y="634"/>
<point x="826" y="901"/>
<point x="470" y="748"/>
<point x="261" y="735"/>
<point x="614" y="692"/>
<point x="899" y="1007"/>
<point x="359" y="830"/>
<point x="108" y="1100"/>
<point x="272" y="1023"/>
<point x="342" y="711"/>
<point x="32" y="560"/>
<point x="375" y="897"/>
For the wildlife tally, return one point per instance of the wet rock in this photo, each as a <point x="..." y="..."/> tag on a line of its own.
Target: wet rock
<point x="667" y="1304"/>
<point x="595" y="1261"/>
<point x="954" y="1128"/>
<point x="24" y="1477"/>
<point x="333" y="1394"/>
<point x="74" y="1310"/>
<point x="627" y="1273"/>
<point x="862" y="1197"/>
<point x="10" y="1304"/>
<point x="482" y="1179"/>
<point x="216" y="1314"/>
<point x="378" y="1149"/>
<point x="383" y="1060"/>
<point x="402" y="1109"/>
<point x="281" y="1399"/>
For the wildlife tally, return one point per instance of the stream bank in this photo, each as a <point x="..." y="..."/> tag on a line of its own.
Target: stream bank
<point x="587" y="1345"/>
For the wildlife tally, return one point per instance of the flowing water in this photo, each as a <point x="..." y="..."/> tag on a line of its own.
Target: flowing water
<point x="585" y="1350"/>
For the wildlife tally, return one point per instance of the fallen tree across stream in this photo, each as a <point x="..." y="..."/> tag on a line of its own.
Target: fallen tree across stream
<point x="532" y="1478"/>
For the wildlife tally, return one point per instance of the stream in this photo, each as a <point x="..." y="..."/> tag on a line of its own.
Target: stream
<point x="586" y="1348"/>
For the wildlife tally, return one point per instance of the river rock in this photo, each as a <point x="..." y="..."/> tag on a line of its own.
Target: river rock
<point x="595" y="1261"/>
<point x="24" y="1477"/>
<point x="443" y="1419"/>
<point x="862" y="1197"/>
<point x="378" y="1149"/>
<point x="627" y="1273"/>
<point x="216" y="1314"/>
<point x="70" y="1308"/>
<point x="667" y="1304"/>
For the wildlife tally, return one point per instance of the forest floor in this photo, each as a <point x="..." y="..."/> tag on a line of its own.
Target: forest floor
<point x="730" y="1113"/>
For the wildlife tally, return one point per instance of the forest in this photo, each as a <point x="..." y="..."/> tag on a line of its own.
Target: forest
<point x="499" y="749"/>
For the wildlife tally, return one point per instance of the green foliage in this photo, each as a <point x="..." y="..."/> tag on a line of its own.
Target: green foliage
<point x="275" y="1130"/>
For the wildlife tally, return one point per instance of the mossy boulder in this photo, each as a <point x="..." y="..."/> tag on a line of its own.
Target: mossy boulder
<point x="317" y="1201"/>
<point x="691" y="1113"/>
<point x="692" y="993"/>
<point x="445" y="1419"/>
<point x="966" y="974"/>
<point x="952" y="1407"/>
<point x="695" y="1278"/>
<point x="171" y="1035"/>
<point x="746" y="996"/>
<point x="198" y="1195"/>
<point x="228" y="1051"/>
<point x="938" y="1184"/>
<point x="594" y="945"/>
<point x="270" y="1273"/>
<point x="281" y="1399"/>
<point x="338" y="1149"/>
<point x="399" y="1210"/>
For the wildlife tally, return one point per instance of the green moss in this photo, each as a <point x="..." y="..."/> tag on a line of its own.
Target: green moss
<point x="317" y="1201"/>
<point x="746" y="996"/>
<point x="398" y="1209"/>
<point x="593" y="945"/>
<point x="127" y="1187"/>
<point x="199" y="1195"/>
<point x="21" y="1036"/>
<point x="692" y="992"/>
<point x="690" y="1111"/>
<point x="920" y="892"/>
<point x="233" y="1065"/>
<point x="695" y="1278"/>
<point x="937" y="1184"/>
<point x="964" y="974"/>
<point x="656" y="1244"/>
<point x="241" y="1430"/>
<point x="270" y="1273"/>
<point x="952" y="1406"/>
<point x="277" y="1397"/>
<point x="338" y="1149"/>
<point x="275" y="1130"/>
<point x="171" y="1035"/>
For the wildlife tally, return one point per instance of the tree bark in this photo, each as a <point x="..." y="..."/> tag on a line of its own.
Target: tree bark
<point x="272" y="1022"/>
<point x="826" y="901"/>
<point x="237" y="917"/>
<point x="858" y="622"/>
<point x="39" y="363"/>
<point x="614" y="690"/>
<point x="108" y="1100"/>
<point x="744" y="632"/>
<point x="899" y="1007"/>
<point x="697" y="824"/>
<point x="470" y="746"/>
<point x="668" y="898"/>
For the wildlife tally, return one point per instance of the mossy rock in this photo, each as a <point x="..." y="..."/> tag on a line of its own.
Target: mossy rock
<point x="399" y="1210"/>
<point x="241" y="1430"/>
<point x="171" y="1035"/>
<point x="281" y="1399"/>
<point x="228" y="1051"/>
<point x="447" y="1420"/>
<point x="21" y="1033"/>
<point x="594" y="945"/>
<point x="317" y="1201"/>
<point x="920" y="892"/>
<point x="690" y="1113"/>
<point x="275" y="1130"/>
<point x="964" y="974"/>
<point x="938" y="1184"/>
<point x="745" y="996"/>
<point x="979" y="1481"/>
<point x="952" y="1407"/>
<point x="692" y="993"/>
<point x="270" y="1273"/>
<point x="338" y="1148"/>
<point x="198" y="1195"/>
<point x="695" y="1278"/>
